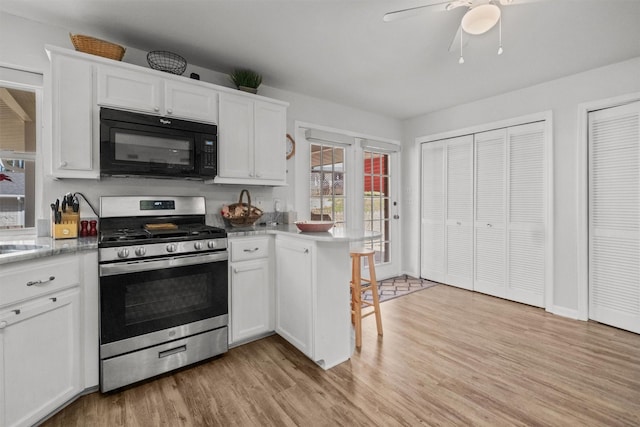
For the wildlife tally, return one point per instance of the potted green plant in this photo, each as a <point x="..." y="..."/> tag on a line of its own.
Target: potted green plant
<point x="246" y="80"/>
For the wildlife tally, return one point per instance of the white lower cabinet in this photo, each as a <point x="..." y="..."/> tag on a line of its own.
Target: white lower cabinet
<point x="39" y="355"/>
<point x="48" y="337"/>
<point x="294" y="293"/>
<point x="312" y="298"/>
<point x="250" y="288"/>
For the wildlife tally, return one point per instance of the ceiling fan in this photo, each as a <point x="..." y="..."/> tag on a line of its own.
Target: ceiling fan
<point x="480" y="17"/>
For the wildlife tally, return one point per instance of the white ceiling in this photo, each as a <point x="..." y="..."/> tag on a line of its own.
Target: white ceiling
<point x="342" y="51"/>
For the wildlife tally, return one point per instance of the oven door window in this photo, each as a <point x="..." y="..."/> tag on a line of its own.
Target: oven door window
<point x="163" y="151"/>
<point x="138" y="303"/>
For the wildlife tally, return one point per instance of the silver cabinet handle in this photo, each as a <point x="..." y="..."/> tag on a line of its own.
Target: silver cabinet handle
<point x="3" y="324"/>
<point x="252" y="250"/>
<point x="41" y="282"/>
<point x="237" y="270"/>
<point x="489" y="225"/>
<point x="306" y="251"/>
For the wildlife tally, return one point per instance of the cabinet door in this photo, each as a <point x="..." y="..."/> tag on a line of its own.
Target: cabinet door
<point x="270" y="135"/>
<point x="235" y="141"/>
<point x="129" y="90"/>
<point x="294" y="306"/>
<point x="39" y="357"/>
<point x="73" y="151"/>
<point x="250" y="299"/>
<point x="191" y="102"/>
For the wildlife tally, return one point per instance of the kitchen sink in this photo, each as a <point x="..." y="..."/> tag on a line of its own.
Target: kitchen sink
<point x="12" y="248"/>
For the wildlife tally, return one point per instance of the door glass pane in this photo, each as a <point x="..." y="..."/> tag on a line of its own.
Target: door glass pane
<point x="377" y="203"/>
<point x="326" y="184"/>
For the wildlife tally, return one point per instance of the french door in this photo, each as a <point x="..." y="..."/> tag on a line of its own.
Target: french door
<point x="380" y="212"/>
<point x="353" y="182"/>
<point x="614" y="216"/>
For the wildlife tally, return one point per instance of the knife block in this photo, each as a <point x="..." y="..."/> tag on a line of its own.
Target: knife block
<point x="68" y="229"/>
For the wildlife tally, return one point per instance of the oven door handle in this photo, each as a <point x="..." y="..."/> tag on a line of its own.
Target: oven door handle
<point x="146" y="265"/>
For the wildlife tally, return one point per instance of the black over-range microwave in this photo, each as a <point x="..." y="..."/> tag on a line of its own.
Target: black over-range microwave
<point x="133" y="144"/>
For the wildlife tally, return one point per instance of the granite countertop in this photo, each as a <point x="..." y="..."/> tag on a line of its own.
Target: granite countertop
<point x="333" y="235"/>
<point x="50" y="247"/>
<point x="47" y="247"/>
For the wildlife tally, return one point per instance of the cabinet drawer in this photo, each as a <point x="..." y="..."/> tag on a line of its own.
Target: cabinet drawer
<point x="30" y="279"/>
<point x="244" y="249"/>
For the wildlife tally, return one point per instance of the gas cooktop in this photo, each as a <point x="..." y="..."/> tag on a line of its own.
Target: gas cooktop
<point x="186" y="231"/>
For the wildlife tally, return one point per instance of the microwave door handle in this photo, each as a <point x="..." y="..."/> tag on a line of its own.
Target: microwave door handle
<point x="136" y="266"/>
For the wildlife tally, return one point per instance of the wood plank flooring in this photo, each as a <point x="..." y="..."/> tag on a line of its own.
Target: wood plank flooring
<point x="448" y="357"/>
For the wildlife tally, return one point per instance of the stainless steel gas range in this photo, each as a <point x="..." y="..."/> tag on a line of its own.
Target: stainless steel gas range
<point x="163" y="287"/>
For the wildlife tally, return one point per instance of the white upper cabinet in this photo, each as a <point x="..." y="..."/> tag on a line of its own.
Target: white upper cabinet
<point x="251" y="142"/>
<point x="70" y="85"/>
<point x="129" y="90"/>
<point x="270" y="138"/>
<point x="191" y="102"/>
<point x="146" y="93"/>
<point x="251" y="129"/>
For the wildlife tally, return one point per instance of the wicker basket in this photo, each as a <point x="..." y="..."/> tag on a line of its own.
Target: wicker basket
<point x="96" y="46"/>
<point x="243" y="214"/>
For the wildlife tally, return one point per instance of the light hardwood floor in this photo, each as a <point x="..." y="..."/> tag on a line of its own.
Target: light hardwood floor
<point x="448" y="357"/>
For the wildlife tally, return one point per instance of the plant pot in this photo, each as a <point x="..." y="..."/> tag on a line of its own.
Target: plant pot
<point x="248" y="89"/>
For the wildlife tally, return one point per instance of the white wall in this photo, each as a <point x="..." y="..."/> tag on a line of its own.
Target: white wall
<point x="562" y="97"/>
<point x="22" y="45"/>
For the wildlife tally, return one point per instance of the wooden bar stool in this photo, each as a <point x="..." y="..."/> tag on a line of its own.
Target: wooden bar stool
<point x="357" y="290"/>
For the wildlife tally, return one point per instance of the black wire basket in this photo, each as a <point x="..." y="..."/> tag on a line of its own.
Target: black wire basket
<point x="166" y="61"/>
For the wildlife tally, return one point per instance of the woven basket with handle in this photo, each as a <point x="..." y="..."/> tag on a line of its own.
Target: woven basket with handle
<point x="243" y="214"/>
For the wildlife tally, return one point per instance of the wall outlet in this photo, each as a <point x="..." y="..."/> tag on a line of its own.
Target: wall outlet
<point x="277" y="205"/>
<point x="259" y="202"/>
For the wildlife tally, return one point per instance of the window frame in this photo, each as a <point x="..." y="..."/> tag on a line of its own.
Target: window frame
<point x="32" y="81"/>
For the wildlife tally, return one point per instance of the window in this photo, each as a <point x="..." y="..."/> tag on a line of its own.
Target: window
<point x="326" y="186"/>
<point x="17" y="157"/>
<point x="20" y="124"/>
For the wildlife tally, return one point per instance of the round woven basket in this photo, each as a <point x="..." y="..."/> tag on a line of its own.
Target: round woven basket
<point x="248" y="214"/>
<point x="94" y="46"/>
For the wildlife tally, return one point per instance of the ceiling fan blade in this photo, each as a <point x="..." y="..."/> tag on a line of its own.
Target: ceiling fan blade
<point x="412" y="11"/>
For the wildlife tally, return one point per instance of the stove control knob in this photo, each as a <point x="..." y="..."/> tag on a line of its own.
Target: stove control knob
<point x="141" y="251"/>
<point x="212" y="244"/>
<point x="171" y="247"/>
<point x="123" y="253"/>
<point x="197" y="245"/>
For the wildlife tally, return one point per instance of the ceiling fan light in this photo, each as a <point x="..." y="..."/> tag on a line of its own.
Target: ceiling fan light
<point x="480" y="19"/>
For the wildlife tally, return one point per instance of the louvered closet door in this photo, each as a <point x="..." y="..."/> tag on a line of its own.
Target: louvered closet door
<point x="526" y="207"/>
<point x="614" y="216"/>
<point x="432" y="240"/>
<point x="459" y="212"/>
<point x="490" y="213"/>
